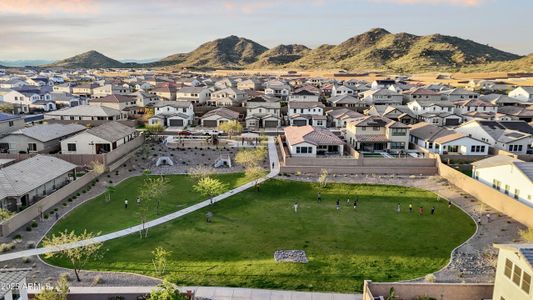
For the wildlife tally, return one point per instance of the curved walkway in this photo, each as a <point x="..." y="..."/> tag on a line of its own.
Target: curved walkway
<point x="274" y="171"/>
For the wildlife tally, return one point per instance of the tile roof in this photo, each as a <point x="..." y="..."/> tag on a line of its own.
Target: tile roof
<point x="111" y="131"/>
<point x="526" y="168"/>
<point x="86" y="111"/>
<point x="12" y="276"/>
<point x="20" y="178"/>
<point x="115" y="98"/>
<point x="222" y="112"/>
<point x="312" y="135"/>
<point x="48" y="132"/>
<point x="302" y="104"/>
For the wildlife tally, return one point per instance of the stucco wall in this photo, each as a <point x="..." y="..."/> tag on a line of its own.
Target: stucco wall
<point x="441" y="291"/>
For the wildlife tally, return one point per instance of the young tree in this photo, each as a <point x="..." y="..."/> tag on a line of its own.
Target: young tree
<point x="323" y="179"/>
<point x="209" y="187"/>
<point x="58" y="292"/>
<point x="5" y="214"/>
<point x="251" y="157"/>
<point x="166" y="291"/>
<point x="152" y="190"/>
<point x="155" y="130"/>
<point x="79" y="256"/>
<point x="254" y="173"/>
<point x="109" y="190"/>
<point x="160" y="259"/>
<point x="97" y="167"/>
<point x="232" y="128"/>
<point x="7" y="108"/>
<point x="198" y="172"/>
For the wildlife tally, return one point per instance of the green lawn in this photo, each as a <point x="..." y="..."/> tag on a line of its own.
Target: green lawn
<point x="346" y="247"/>
<point x="100" y="215"/>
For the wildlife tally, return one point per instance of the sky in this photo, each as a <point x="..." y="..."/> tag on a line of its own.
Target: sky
<point x="141" y="29"/>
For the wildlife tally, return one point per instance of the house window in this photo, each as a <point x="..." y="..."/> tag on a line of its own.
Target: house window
<point x="399" y="131"/>
<point x="517" y="273"/>
<point x="32" y="147"/>
<point x="526" y="282"/>
<point x="11" y="123"/>
<point x="507" y="188"/>
<point x="397" y="145"/>
<point x="508" y="268"/>
<point x="375" y="128"/>
<point x="71" y="147"/>
<point x="516" y="193"/>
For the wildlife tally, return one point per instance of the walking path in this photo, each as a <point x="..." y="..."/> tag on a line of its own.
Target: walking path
<point x="224" y="293"/>
<point x="274" y="171"/>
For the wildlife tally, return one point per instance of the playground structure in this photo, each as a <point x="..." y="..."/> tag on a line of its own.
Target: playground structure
<point x="224" y="160"/>
<point x="164" y="160"/>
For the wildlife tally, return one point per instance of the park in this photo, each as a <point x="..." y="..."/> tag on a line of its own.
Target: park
<point x="236" y="248"/>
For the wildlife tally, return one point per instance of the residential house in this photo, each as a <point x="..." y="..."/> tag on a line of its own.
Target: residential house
<point x="14" y="282"/>
<point x="522" y="93"/>
<point x="374" y="133"/>
<point x="84" y="90"/>
<point x="444" y="141"/>
<point x="338" y="118"/>
<point x="110" y="89"/>
<point x="474" y="105"/>
<point x="217" y="116"/>
<point x="249" y="85"/>
<point x="306" y="113"/>
<point x="97" y="140"/>
<point x="43" y="138"/>
<point x="381" y="97"/>
<point x="167" y="93"/>
<point x="227" y="97"/>
<point x="261" y="113"/>
<point x="87" y="113"/>
<point x="63" y="88"/>
<point x="439" y="113"/>
<point x="143" y="99"/>
<point x="502" y="100"/>
<point x="508" y="175"/>
<point x="523" y="113"/>
<point x="116" y="101"/>
<point x="400" y="113"/>
<point x="382" y="83"/>
<point x="10" y="123"/>
<point x="304" y="95"/>
<point x="339" y="90"/>
<point x="458" y="94"/>
<point x="345" y="101"/>
<point x="196" y="95"/>
<point x="226" y="83"/>
<point x="511" y="136"/>
<point x="173" y="114"/>
<point x="514" y="271"/>
<point x="278" y="88"/>
<point x="421" y="94"/>
<point x="309" y="141"/>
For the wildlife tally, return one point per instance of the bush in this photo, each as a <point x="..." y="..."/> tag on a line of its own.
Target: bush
<point x="30" y="245"/>
<point x="17" y="237"/>
<point x="4" y="247"/>
<point x="45" y="216"/>
<point x="26" y="260"/>
<point x="430" y="278"/>
<point x="28" y="228"/>
<point x="64" y="204"/>
<point x="34" y="223"/>
<point x="64" y="276"/>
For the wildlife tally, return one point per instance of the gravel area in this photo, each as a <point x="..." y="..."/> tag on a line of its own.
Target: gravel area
<point x="474" y="261"/>
<point x="291" y="256"/>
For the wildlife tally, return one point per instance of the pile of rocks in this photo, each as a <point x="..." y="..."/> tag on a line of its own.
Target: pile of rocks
<point x="293" y="256"/>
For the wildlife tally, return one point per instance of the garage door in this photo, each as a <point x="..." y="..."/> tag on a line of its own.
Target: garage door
<point x="299" y="122"/>
<point x="175" y="123"/>
<point x="451" y="122"/>
<point x="210" y="123"/>
<point x="271" y="124"/>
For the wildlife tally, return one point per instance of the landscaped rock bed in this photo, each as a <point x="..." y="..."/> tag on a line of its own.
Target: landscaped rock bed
<point x="292" y="256"/>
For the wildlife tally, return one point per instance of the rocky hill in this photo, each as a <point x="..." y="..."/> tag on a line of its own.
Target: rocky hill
<point x="90" y="59"/>
<point x="280" y="55"/>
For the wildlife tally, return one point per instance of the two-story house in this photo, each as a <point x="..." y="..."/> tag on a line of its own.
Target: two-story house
<point x="374" y="133"/>
<point x="381" y="97"/>
<point x="306" y="113"/>
<point x="173" y="114"/>
<point x="227" y="97"/>
<point x="262" y="114"/>
<point x="196" y="95"/>
<point x="522" y="93"/>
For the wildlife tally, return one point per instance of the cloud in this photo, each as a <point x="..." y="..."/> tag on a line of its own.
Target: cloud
<point x="436" y="2"/>
<point x="44" y="7"/>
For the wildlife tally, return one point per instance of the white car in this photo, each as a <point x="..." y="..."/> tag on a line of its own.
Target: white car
<point x="210" y="132"/>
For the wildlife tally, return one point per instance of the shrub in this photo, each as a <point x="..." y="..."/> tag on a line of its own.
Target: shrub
<point x="97" y="280"/>
<point x="17" y="237"/>
<point x="64" y="204"/>
<point x="30" y="244"/>
<point x="64" y="276"/>
<point x="4" y="247"/>
<point x="430" y="278"/>
<point x="26" y="260"/>
<point x="45" y="216"/>
<point x="28" y="228"/>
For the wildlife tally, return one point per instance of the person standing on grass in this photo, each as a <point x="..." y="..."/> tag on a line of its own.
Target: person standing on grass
<point x="208" y="216"/>
<point x="126" y="203"/>
<point x="138" y="200"/>
<point x="410" y="207"/>
<point x="398" y="208"/>
<point x="420" y="211"/>
<point x="433" y="210"/>
<point x="449" y="204"/>
<point x="338" y="204"/>
<point x="295" y="207"/>
<point x="318" y="197"/>
<point x="355" y="204"/>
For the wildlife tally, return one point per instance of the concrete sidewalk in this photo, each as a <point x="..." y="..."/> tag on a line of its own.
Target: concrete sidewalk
<point x="222" y="293"/>
<point x="274" y="171"/>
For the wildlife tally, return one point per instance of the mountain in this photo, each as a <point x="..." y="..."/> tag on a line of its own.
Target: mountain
<point x="24" y="63"/>
<point x="524" y="64"/>
<point x="280" y="55"/>
<point x="230" y="52"/>
<point x="402" y="52"/>
<point x="90" y="59"/>
<point x="376" y="49"/>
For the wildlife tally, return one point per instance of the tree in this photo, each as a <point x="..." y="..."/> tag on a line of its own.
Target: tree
<point x="527" y="235"/>
<point x="198" y="172"/>
<point x="209" y="187"/>
<point x="7" y="108"/>
<point x="251" y="157"/>
<point x="78" y="256"/>
<point x="5" y="214"/>
<point x="166" y="291"/>
<point x="323" y="179"/>
<point x="160" y="260"/>
<point x="155" y="130"/>
<point x="254" y="173"/>
<point x="109" y="190"/>
<point x="152" y="190"/>
<point x="232" y="128"/>
<point x="58" y="292"/>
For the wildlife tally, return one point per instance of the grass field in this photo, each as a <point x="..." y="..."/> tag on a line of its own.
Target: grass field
<point x="344" y="247"/>
<point x="100" y="215"/>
